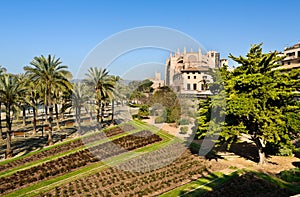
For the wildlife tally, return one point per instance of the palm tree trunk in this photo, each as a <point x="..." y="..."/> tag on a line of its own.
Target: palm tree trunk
<point x="91" y="113"/>
<point x="62" y="116"/>
<point x="1" y="132"/>
<point x="102" y="112"/>
<point x="112" y="111"/>
<point x="98" y="111"/>
<point x="24" y="115"/>
<point x="78" y="119"/>
<point x="34" y="117"/>
<point x="98" y="115"/>
<point x="50" y="119"/>
<point x="36" y="109"/>
<point x="46" y="112"/>
<point x="56" y="115"/>
<point x="9" y="151"/>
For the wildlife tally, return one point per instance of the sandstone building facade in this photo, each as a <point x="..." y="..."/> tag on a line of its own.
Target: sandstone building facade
<point x="187" y="72"/>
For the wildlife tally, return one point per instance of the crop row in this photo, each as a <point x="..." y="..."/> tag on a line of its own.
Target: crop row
<point x="76" y="160"/>
<point x="123" y="180"/>
<point x="68" y="146"/>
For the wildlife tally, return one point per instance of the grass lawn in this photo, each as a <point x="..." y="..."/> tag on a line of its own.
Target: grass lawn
<point x="201" y="185"/>
<point x="220" y="183"/>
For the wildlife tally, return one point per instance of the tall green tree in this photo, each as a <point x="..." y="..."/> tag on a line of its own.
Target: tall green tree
<point x="2" y="72"/>
<point x="167" y="98"/>
<point x="103" y="86"/>
<point x="259" y="97"/>
<point x="50" y="74"/>
<point x="11" y="94"/>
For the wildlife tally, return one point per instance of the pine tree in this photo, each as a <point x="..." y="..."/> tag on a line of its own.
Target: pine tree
<point x="260" y="99"/>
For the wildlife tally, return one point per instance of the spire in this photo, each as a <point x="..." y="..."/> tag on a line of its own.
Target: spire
<point x="184" y="50"/>
<point x="178" y="51"/>
<point x="191" y="49"/>
<point x="199" y="51"/>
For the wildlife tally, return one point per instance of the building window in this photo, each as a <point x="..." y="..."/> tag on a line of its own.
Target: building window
<point x="289" y="63"/>
<point x="291" y="54"/>
<point x="195" y="86"/>
<point x="195" y="77"/>
<point x="189" y="77"/>
<point x="188" y="87"/>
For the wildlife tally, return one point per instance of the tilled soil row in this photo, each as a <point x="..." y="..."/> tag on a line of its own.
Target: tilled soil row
<point x="76" y="160"/>
<point x="66" y="147"/>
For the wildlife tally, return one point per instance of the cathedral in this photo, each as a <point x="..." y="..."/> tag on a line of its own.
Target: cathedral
<point x="187" y="72"/>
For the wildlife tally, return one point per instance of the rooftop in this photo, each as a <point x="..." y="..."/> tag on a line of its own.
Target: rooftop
<point x="296" y="46"/>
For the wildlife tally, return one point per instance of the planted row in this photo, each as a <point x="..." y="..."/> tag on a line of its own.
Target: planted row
<point x="75" y="160"/>
<point x="68" y="146"/>
<point x="117" y="182"/>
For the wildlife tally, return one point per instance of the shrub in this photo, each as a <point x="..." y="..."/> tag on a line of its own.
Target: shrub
<point x="183" y="130"/>
<point x="296" y="151"/>
<point x="143" y="111"/>
<point x="183" y="121"/>
<point x="173" y="114"/>
<point x="136" y="116"/>
<point x="159" y="120"/>
<point x="285" y="151"/>
<point x="134" y="105"/>
<point x="278" y="149"/>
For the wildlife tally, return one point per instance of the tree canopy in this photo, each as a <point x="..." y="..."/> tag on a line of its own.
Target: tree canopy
<point x="260" y="101"/>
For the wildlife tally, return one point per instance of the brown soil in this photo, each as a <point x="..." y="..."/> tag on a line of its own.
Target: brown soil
<point x="244" y="155"/>
<point x="274" y="165"/>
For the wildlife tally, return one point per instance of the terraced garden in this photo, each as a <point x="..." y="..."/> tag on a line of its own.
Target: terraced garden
<point x="132" y="159"/>
<point x="29" y="174"/>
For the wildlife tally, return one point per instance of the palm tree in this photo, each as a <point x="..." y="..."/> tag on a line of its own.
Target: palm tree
<point x="2" y="71"/>
<point x="23" y="80"/>
<point x="11" y="93"/>
<point x="116" y="94"/>
<point x="57" y="97"/>
<point x="59" y="94"/>
<point x="79" y="99"/>
<point x="33" y="99"/>
<point x="103" y="87"/>
<point x="65" y="102"/>
<point x="50" y="74"/>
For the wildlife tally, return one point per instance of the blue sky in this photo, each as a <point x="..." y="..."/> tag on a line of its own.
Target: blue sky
<point x="70" y="29"/>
